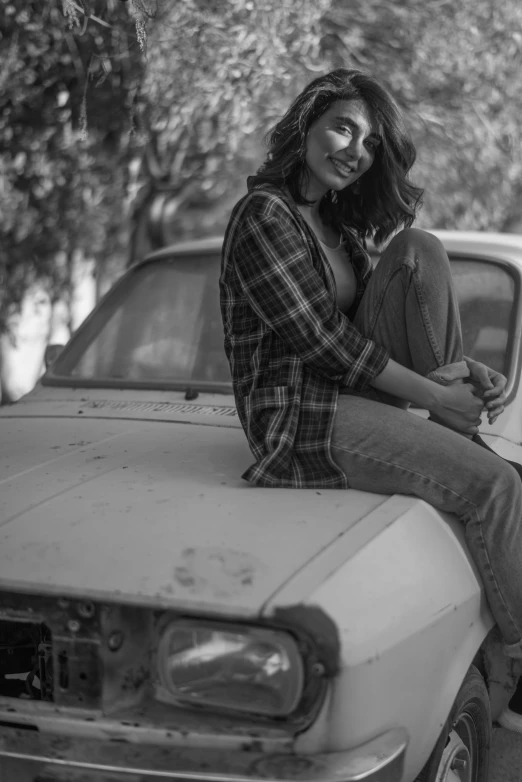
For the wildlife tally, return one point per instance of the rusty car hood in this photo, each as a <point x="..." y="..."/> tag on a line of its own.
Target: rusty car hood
<point x="154" y="512"/>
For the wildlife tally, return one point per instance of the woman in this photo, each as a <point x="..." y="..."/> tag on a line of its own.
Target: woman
<point x="326" y="355"/>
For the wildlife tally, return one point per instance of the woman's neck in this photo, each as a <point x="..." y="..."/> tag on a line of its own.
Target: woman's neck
<point x="325" y="233"/>
<point x="311" y="211"/>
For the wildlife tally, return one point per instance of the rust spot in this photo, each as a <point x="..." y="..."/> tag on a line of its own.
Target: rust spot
<point x="134" y="679"/>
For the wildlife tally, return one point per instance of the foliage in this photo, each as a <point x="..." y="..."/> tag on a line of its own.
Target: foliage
<point x="217" y="75"/>
<point x="453" y="66"/>
<point x="455" y="69"/>
<point x="106" y="106"/>
<point x="61" y="185"/>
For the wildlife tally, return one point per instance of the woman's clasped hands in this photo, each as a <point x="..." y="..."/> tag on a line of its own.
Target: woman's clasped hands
<point x="461" y="405"/>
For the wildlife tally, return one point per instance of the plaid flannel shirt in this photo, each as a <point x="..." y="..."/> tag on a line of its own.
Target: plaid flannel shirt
<point x="290" y="348"/>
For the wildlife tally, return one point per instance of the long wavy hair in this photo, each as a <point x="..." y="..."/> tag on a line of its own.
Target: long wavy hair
<point x="383" y="199"/>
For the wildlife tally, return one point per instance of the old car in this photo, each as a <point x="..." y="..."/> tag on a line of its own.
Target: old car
<point x="160" y="618"/>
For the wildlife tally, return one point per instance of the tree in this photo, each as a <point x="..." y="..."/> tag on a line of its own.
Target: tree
<point x="217" y="76"/>
<point x="65" y="116"/>
<point x="104" y="100"/>
<point x="455" y="69"/>
<point x="64" y="140"/>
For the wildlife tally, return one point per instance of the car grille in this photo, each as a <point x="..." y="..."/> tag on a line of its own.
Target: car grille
<point x="49" y="650"/>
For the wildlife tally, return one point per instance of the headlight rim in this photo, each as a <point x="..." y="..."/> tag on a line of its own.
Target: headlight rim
<point x="285" y="638"/>
<point x="314" y="681"/>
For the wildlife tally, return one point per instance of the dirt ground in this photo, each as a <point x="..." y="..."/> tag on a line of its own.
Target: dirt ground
<point x="506" y="757"/>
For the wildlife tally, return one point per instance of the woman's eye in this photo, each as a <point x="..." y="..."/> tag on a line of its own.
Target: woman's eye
<point x="344" y="128"/>
<point x="371" y="144"/>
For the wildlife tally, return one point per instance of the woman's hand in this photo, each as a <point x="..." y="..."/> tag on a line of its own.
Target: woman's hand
<point x="491" y="386"/>
<point x="458" y="407"/>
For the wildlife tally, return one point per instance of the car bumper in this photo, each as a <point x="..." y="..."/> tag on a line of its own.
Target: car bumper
<point x="31" y="756"/>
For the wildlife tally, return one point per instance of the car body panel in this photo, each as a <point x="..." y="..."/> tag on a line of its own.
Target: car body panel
<point x="405" y="632"/>
<point x="101" y="494"/>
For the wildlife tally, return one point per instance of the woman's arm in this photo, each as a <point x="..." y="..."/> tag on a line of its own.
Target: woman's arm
<point x="456" y="406"/>
<point x="278" y="278"/>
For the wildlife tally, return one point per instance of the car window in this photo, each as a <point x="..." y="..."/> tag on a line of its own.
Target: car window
<point x="486" y="295"/>
<point x="161" y="323"/>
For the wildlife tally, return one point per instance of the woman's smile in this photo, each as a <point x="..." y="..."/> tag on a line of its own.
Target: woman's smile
<point x="343" y="168"/>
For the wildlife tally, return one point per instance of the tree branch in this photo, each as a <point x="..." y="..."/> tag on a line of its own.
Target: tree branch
<point x="91" y="16"/>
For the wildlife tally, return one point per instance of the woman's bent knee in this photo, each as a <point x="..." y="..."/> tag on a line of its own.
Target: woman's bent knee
<point x="418" y="250"/>
<point x="419" y="240"/>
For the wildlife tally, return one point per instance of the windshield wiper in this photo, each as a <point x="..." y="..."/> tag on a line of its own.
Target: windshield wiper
<point x="191" y="393"/>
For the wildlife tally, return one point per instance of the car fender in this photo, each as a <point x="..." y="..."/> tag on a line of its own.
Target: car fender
<point x="411" y="615"/>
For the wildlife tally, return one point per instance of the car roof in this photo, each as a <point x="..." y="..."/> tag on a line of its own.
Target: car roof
<point x="483" y="243"/>
<point x="211" y="244"/>
<point x="478" y="242"/>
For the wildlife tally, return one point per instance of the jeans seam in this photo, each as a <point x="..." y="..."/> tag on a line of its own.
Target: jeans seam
<point x="413" y="271"/>
<point x="407" y="470"/>
<point x="384" y="288"/>
<point x="494" y="580"/>
<point x="439" y="358"/>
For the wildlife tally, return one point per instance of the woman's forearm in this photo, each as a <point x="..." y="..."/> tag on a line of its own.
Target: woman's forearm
<point x="407" y="384"/>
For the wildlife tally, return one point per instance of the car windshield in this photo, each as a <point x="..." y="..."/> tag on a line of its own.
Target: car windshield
<point x="160" y="325"/>
<point x="486" y="295"/>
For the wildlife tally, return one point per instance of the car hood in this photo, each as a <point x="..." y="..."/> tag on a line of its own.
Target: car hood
<point x="155" y="513"/>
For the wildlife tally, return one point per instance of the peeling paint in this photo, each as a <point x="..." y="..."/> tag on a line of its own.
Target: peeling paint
<point x="218" y="569"/>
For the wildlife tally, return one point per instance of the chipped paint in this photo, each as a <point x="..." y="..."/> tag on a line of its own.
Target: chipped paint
<point x="192" y="534"/>
<point x="222" y="570"/>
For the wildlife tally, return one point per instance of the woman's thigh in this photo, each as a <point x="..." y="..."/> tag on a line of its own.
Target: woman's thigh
<point x="387" y="450"/>
<point x="390" y="451"/>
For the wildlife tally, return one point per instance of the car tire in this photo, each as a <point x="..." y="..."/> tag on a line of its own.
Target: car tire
<point x="461" y="753"/>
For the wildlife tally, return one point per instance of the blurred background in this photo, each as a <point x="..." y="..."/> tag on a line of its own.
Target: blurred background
<point x="129" y="124"/>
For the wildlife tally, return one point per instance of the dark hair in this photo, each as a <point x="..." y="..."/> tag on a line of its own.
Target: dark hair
<point x="383" y="199"/>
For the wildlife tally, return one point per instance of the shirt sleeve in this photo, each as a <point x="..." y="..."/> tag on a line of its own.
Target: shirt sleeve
<point x="281" y="284"/>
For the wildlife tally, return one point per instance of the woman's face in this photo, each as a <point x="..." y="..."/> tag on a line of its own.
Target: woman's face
<point x="340" y="147"/>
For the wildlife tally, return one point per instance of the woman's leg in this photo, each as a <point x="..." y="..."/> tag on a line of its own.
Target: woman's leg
<point x="391" y="451"/>
<point x="410" y="308"/>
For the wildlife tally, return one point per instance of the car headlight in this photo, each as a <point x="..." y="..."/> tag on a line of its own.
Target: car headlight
<point x="247" y="669"/>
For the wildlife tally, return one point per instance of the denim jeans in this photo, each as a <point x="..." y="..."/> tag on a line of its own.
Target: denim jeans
<point x="410" y="308"/>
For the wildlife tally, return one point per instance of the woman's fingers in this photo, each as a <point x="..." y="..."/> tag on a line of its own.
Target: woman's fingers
<point x="492" y="417"/>
<point x="481" y="376"/>
<point x="499" y="384"/>
<point x="499" y="402"/>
